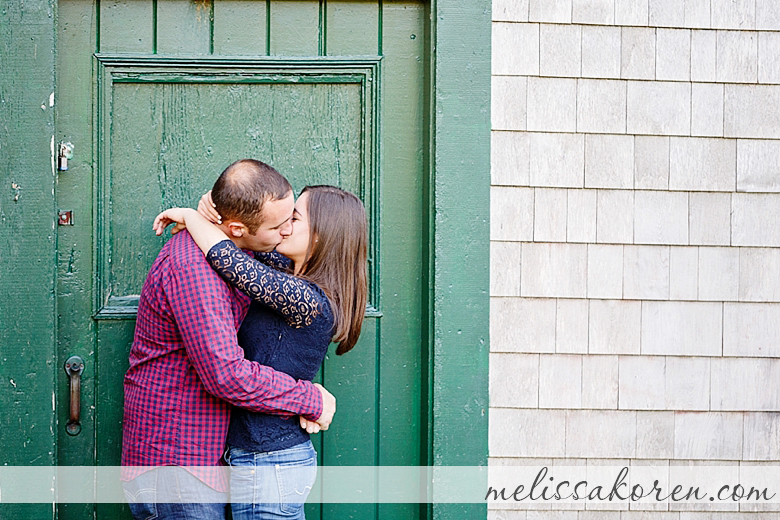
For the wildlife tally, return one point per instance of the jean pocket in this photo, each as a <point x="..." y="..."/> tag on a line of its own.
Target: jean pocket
<point x="295" y="480"/>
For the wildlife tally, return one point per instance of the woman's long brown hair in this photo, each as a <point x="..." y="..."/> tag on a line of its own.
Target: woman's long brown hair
<point x="336" y="258"/>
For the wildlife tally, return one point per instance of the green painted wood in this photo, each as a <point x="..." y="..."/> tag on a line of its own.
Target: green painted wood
<point x="240" y="28"/>
<point x="459" y="220"/>
<point x="294" y="27"/>
<point x="401" y="428"/>
<point x="184" y="26"/>
<point x="126" y="26"/>
<point x="75" y="334"/>
<point x="166" y="126"/>
<point x="352" y="28"/>
<point x="28" y="366"/>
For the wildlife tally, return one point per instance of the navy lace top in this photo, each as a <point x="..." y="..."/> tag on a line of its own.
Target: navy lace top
<point x="288" y="327"/>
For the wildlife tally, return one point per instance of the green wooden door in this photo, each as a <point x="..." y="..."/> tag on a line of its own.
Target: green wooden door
<point x="157" y="97"/>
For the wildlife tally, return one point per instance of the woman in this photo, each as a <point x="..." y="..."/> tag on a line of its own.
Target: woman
<point x="310" y="292"/>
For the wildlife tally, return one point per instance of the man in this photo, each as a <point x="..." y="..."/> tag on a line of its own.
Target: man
<point x="186" y="368"/>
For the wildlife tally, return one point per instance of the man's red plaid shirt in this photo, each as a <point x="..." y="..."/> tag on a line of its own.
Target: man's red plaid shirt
<point x="186" y="368"/>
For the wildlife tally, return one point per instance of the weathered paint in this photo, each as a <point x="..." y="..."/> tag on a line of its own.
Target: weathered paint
<point x="27" y="306"/>
<point x="460" y="205"/>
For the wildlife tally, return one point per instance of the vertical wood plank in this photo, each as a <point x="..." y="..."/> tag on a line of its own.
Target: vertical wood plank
<point x="295" y="27"/>
<point x="126" y="26"/>
<point x="460" y="217"/>
<point x="352" y="28"/>
<point x="184" y="26"/>
<point x="27" y="324"/>
<point x="240" y="27"/>
<point x="401" y="414"/>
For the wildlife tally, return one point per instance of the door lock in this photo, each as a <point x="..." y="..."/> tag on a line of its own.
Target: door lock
<point x="64" y="152"/>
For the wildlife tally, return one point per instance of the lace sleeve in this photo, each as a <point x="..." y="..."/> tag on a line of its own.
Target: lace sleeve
<point x="290" y="296"/>
<point x="273" y="259"/>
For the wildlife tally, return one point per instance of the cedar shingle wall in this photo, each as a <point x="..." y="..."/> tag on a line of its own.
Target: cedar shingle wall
<point x="635" y="236"/>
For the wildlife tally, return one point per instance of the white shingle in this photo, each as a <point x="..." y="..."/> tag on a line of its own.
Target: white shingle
<point x="769" y="57"/>
<point x="614" y="327"/>
<point x="683" y="273"/>
<point x="655" y="435"/>
<point x="581" y="216"/>
<point x="767" y="15"/>
<point x="658" y="108"/>
<point x="601" y="106"/>
<point x="710" y="219"/>
<point x="550" y="11"/>
<point x="681" y="328"/>
<point x="552" y="104"/>
<point x="733" y="14"/>
<point x="600" y="51"/>
<point x="687" y="383"/>
<point x="557" y="160"/>
<point x="554" y="270"/>
<point x="550" y="214"/>
<point x="600" y="382"/>
<point x="745" y="384"/>
<point x="510" y="10"/>
<point x="762" y="436"/>
<point x="702" y="164"/>
<point x="571" y="326"/>
<point x="537" y="335"/>
<point x="664" y="13"/>
<point x="755" y="219"/>
<point x="718" y="273"/>
<point x="508" y="103"/>
<point x="660" y="217"/>
<point x="615" y="217"/>
<point x="630" y="12"/>
<point x="737" y="56"/>
<point x="600" y="434"/>
<point x="505" y="268"/>
<point x="511" y="213"/>
<point x="600" y="12"/>
<point x="527" y="433"/>
<point x="560" y="50"/>
<point x="750" y="329"/>
<point x="560" y="381"/>
<point x="758" y="165"/>
<point x="673" y="54"/>
<point x="509" y="158"/>
<point x="515" y="48"/>
<point x="697" y="13"/>
<point x="707" y="109"/>
<point x="609" y="161"/>
<point x="514" y="380"/>
<point x="637" y="53"/>
<point x="758" y="269"/>
<point x="646" y="272"/>
<point x="651" y="162"/>
<point x="605" y="271"/>
<point x="745" y="111"/>
<point x="704" y="55"/>
<point x="641" y="382"/>
<point x="708" y="436"/>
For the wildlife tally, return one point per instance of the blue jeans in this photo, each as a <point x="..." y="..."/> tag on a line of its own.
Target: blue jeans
<point x="172" y="492"/>
<point x="273" y="484"/>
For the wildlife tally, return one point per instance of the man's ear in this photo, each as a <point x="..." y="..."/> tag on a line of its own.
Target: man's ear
<point x="236" y="229"/>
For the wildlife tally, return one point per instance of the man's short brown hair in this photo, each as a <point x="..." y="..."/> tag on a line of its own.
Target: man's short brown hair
<point x="243" y="188"/>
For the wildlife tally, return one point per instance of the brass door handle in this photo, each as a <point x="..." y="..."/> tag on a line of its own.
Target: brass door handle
<point x="74" y="366"/>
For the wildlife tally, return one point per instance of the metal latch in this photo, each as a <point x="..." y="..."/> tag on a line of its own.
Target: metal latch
<point x="64" y="152"/>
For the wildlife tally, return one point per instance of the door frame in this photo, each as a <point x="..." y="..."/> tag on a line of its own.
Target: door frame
<point x="457" y="230"/>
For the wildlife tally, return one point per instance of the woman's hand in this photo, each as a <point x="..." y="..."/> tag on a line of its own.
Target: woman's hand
<point x="208" y="210"/>
<point x="171" y="216"/>
<point x="309" y="426"/>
